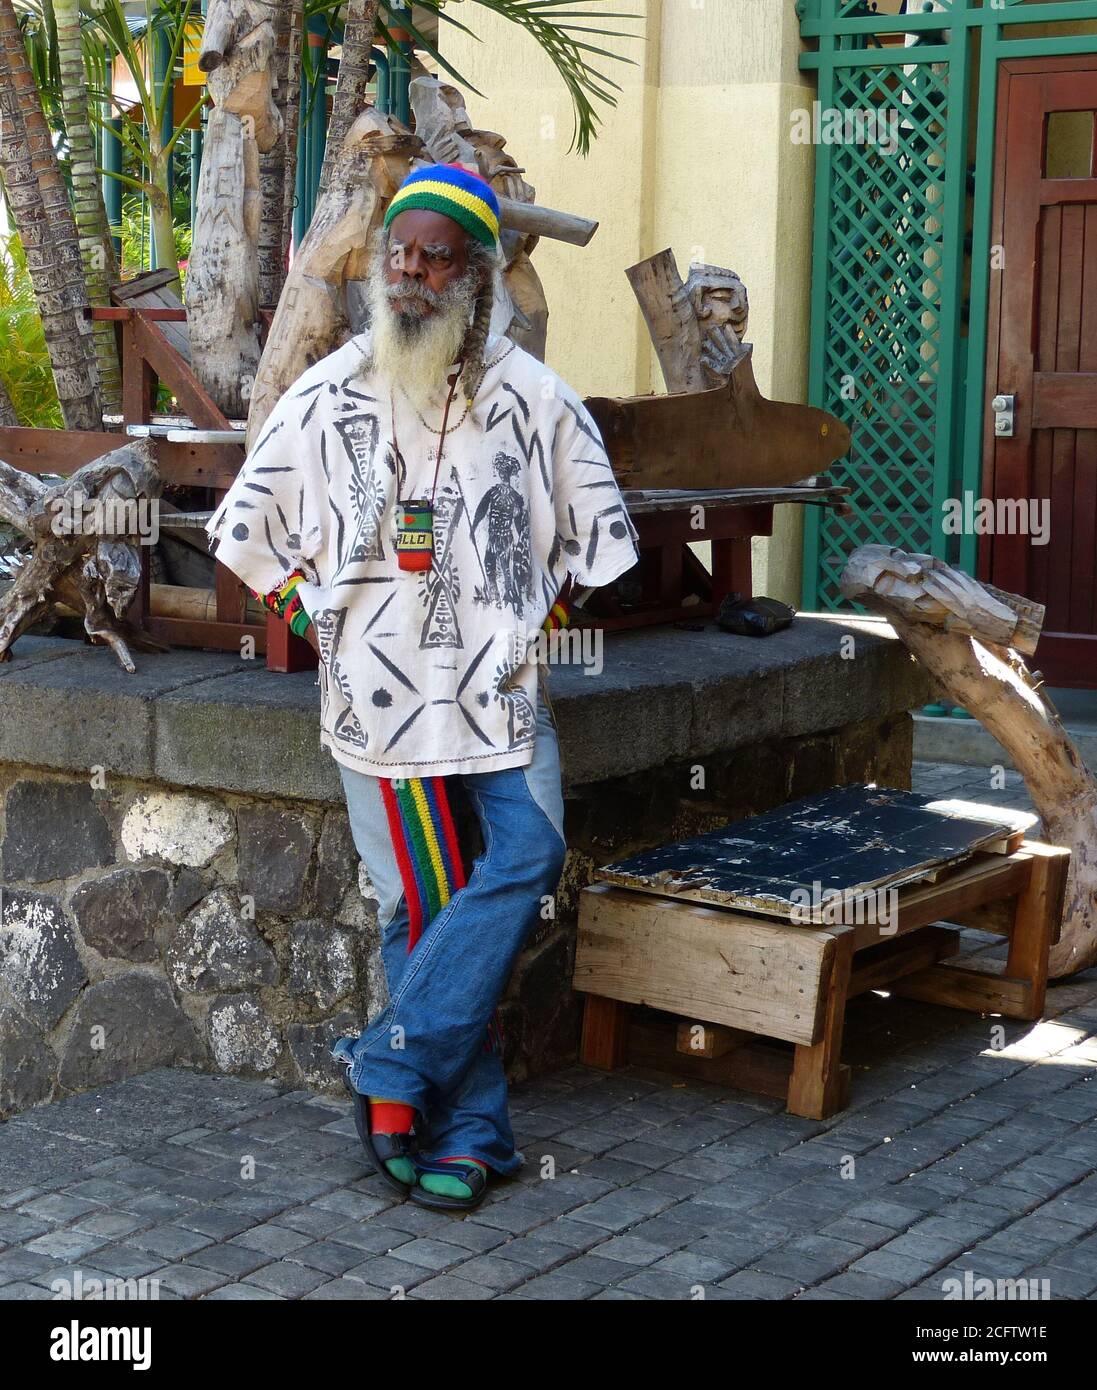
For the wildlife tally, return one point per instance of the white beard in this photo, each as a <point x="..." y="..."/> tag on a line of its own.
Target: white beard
<point x="418" y="355"/>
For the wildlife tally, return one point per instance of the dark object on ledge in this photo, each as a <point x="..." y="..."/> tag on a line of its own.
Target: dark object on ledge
<point x="754" y="617"/>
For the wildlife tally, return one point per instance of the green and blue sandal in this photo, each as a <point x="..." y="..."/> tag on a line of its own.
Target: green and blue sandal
<point x="391" y="1154"/>
<point x="449" y="1184"/>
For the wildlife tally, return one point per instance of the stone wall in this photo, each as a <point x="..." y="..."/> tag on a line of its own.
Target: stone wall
<point x="145" y="926"/>
<point x="145" y="921"/>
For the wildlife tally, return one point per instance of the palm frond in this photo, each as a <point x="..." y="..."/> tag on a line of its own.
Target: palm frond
<point x="549" y="25"/>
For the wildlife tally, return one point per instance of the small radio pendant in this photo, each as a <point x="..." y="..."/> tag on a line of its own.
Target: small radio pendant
<point x="414" y="534"/>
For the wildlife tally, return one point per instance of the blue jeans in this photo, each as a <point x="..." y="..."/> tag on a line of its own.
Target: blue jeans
<point x="426" y="1048"/>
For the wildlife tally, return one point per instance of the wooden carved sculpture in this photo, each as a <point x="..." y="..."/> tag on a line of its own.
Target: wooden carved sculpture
<point x="443" y="124"/>
<point x="971" y="638"/>
<point x="312" y="316"/>
<point x="237" y="50"/>
<point x="321" y="303"/>
<point x="85" y="534"/>
<point x="714" y="428"/>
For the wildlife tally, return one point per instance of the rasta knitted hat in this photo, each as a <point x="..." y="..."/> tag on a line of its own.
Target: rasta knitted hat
<point x="452" y="190"/>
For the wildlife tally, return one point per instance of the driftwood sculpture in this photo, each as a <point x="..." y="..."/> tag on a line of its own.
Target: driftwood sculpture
<point x="697" y="326"/>
<point x="714" y="428"/>
<point x="970" y="637"/>
<point x="312" y="316"/>
<point x="237" y="51"/>
<point x="728" y="436"/>
<point x="444" y="126"/>
<point x="85" y="533"/>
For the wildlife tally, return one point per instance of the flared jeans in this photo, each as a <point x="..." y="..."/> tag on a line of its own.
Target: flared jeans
<point x="426" y="1047"/>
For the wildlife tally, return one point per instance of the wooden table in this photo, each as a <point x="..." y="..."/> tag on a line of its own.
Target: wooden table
<point x="782" y="972"/>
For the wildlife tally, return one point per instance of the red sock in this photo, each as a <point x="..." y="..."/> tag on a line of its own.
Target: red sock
<point x="390" y="1116"/>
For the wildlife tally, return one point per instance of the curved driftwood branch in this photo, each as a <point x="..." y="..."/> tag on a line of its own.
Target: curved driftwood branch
<point x="311" y="319"/>
<point x="966" y="635"/>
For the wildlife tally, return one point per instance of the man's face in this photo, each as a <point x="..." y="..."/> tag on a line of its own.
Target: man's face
<point x="426" y="249"/>
<point x="422" y="292"/>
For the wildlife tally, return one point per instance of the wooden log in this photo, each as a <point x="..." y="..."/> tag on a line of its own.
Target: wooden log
<point x="675" y="331"/>
<point x="938" y="622"/>
<point x="536" y="220"/>
<point x="928" y="590"/>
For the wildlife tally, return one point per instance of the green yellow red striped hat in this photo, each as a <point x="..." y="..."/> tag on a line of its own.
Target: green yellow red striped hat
<point x="455" y="192"/>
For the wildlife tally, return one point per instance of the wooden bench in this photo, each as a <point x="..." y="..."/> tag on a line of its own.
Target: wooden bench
<point x="732" y="977"/>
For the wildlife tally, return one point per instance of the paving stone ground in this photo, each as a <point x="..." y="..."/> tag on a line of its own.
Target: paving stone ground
<point x="963" y="1153"/>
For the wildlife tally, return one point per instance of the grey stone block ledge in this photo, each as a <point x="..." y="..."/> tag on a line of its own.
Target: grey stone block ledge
<point x="209" y="720"/>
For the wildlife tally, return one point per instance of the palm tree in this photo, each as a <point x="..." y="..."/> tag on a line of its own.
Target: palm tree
<point x="278" y="167"/>
<point x="97" y="248"/>
<point x="359" y="36"/>
<point x="38" y="200"/>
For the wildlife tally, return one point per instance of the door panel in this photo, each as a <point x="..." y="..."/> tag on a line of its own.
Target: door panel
<point x="1042" y="349"/>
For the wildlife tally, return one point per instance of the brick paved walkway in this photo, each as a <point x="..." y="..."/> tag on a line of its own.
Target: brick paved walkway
<point x="956" y="1157"/>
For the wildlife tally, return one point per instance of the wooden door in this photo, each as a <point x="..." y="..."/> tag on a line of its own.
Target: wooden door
<point x="1042" y="349"/>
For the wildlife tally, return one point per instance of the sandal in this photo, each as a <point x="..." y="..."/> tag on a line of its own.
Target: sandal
<point x="467" y="1173"/>
<point x="380" y="1147"/>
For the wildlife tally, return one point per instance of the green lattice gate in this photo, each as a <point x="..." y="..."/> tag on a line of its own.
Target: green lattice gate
<point x="896" y="274"/>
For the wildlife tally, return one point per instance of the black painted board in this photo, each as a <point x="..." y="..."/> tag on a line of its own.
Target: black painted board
<point x="843" y="840"/>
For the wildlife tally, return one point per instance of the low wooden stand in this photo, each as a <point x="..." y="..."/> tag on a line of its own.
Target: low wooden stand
<point x="734" y="978"/>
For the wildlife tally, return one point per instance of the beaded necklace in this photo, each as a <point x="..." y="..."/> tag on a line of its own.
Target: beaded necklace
<point x="415" y="517"/>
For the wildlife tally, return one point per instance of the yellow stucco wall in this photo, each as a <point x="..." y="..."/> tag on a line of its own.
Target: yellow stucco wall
<point x="697" y="156"/>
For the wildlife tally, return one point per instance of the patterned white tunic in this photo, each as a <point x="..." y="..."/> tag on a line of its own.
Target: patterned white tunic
<point x="425" y="674"/>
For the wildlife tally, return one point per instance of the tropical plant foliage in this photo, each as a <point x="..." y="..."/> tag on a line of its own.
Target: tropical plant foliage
<point x="24" y="362"/>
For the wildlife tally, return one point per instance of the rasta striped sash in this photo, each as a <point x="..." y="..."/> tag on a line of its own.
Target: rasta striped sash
<point x="429" y="858"/>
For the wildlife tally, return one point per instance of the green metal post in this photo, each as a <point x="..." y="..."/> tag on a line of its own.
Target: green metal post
<point x="162" y="85"/>
<point x="381" y="65"/>
<point x="399" y="79"/>
<point x="112" y="163"/>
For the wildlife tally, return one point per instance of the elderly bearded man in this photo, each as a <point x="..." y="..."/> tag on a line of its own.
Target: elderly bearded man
<point x="415" y="505"/>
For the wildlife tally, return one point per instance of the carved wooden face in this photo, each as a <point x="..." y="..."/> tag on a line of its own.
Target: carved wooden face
<point x="426" y="246"/>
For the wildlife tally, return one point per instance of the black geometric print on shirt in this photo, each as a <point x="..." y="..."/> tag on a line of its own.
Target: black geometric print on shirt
<point x="441" y="586"/>
<point x="376" y="682"/>
<point x="470" y="697"/>
<point x="359" y="434"/>
<point x="519" y="398"/>
<point x="532" y="451"/>
<point x="479" y="687"/>
<point x="618" y="528"/>
<point x="584" y="428"/>
<point x="521" y="714"/>
<point x="329" y="624"/>
<point x="507" y="561"/>
<point x="348" y="730"/>
<point x="496" y="416"/>
<point x="284" y="542"/>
